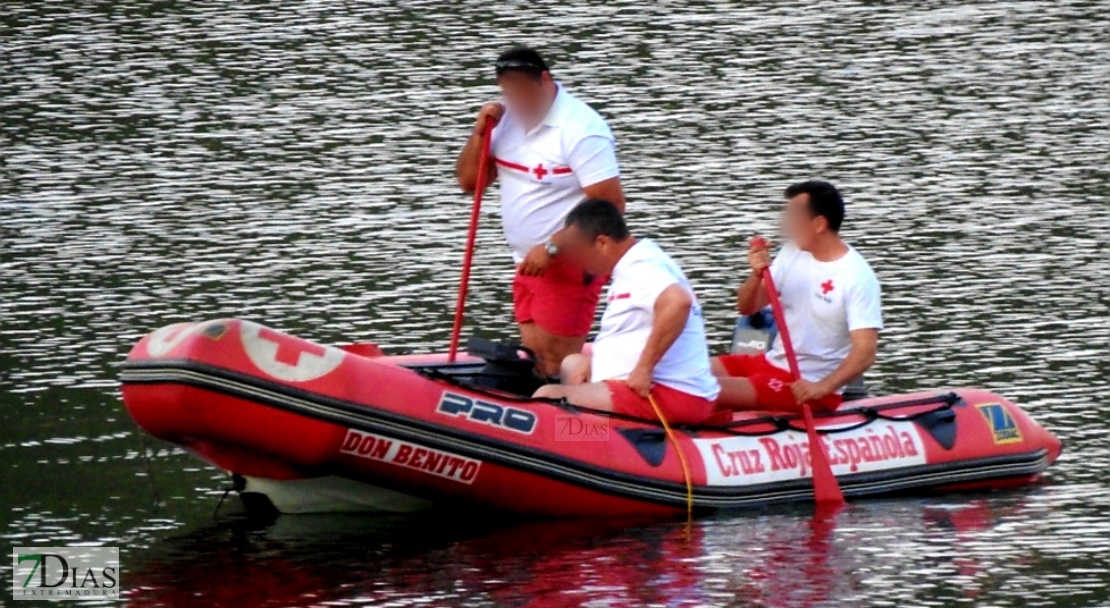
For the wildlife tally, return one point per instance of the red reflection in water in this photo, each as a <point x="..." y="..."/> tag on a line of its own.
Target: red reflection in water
<point x="754" y="559"/>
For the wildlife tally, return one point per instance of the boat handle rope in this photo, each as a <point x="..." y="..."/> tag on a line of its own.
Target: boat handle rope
<point x="778" y="423"/>
<point x="681" y="457"/>
<point x="870" y="415"/>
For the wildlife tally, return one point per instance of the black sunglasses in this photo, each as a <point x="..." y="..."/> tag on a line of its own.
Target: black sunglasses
<point x="516" y="64"/>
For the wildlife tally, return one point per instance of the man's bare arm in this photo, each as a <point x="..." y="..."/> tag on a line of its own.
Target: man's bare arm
<point x="607" y="189"/>
<point x="752" y="297"/>
<point x="466" y="165"/>
<point x="865" y="345"/>
<point x="669" y="315"/>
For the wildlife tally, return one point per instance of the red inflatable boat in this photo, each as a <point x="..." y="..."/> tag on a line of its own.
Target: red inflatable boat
<point x="305" y="427"/>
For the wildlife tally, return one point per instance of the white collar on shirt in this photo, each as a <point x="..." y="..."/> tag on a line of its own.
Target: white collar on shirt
<point x="636" y="252"/>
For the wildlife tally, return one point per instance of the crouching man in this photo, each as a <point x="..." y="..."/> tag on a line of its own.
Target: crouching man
<point x="652" y="341"/>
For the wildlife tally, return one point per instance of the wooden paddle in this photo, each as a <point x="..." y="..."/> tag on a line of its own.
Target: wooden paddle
<point x="826" y="490"/>
<point x="468" y="257"/>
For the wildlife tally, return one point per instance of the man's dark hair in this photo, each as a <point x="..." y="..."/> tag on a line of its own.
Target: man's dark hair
<point x="824" y="199"/>
<point x="597" y="216"/>
<point x="521" y="59"/>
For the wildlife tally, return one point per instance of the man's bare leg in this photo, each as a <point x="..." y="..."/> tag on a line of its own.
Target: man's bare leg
<point x="737" y="394"/>
<point x="550" y="349"/>
<point x="575" y="369"/>
<point x="593" y="395"/>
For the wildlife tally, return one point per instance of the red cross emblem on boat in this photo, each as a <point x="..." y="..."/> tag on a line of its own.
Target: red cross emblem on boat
<point x="285" y="357"/>
<point x="826" y="287"/>
<point x="289" y="352"/>
<point x="539" y="171"/>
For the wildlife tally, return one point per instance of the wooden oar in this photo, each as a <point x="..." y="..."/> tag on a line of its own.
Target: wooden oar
<point x="468" y="257"/>
<point x="826" y="490"/>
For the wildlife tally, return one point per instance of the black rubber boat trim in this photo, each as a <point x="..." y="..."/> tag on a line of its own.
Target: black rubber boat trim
<point x="943" y="401"/>
<point x="527" y="459"/>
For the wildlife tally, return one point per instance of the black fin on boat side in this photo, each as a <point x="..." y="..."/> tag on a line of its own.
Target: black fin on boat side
<point x="651" y="444"/>
<point x="941" y="425"/>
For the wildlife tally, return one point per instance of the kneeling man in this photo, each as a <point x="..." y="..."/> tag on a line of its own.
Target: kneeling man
<point x="652" y="338"/>
<point x="830" y="299"/>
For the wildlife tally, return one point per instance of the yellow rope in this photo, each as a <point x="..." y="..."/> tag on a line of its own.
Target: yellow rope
<point x="681" y="458"/>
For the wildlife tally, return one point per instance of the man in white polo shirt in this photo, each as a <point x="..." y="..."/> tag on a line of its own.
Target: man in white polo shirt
<point x="652" y="338"/>
<point x="550" y="152"/>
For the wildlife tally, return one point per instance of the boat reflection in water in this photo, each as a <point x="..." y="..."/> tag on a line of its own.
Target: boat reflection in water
<point x="445" y="557"/>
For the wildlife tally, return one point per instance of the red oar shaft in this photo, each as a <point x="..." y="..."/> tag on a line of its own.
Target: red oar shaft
<point x="826" y="490"/>
<point x="471" y="238"/>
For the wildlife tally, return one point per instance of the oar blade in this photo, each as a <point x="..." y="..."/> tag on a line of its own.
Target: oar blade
<point x="826" y="489"/>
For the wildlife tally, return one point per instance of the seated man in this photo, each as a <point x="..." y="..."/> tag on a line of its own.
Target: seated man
<point x="652" y="338"/>
<point x="830" y="298"/>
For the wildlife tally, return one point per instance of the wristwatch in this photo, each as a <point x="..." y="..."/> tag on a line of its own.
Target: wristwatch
<point x="551" y="248"/>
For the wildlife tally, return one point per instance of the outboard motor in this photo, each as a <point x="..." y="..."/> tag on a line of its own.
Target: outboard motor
<point x="509" y="367"/>
<point x="755" y="333"/>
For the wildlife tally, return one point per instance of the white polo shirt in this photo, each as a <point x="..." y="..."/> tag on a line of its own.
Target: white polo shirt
<point x="638" y="279"/>
<point x="542" y="171"/>
<point x="822" y="303"/>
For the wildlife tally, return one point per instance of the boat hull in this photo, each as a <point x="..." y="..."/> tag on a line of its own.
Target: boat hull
<point x="319" y="428"/>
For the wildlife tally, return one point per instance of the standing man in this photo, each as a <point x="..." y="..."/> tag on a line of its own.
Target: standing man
<point x="652" y="339"/>
<point x="831" y="303"/>
<point x="550" y="151"/>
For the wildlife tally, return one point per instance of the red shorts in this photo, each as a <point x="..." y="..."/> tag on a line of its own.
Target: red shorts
<point x="562" y="301"/>
<point x="772" y="384"/>
<point x="677" y="406"/>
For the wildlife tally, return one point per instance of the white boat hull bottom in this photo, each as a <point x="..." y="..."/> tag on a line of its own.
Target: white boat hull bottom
<point x="328" y="494"/>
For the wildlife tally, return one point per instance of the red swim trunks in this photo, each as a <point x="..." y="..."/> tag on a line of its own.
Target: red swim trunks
<point x="679" y="407"/>
<point x="562" y="301"/>
<point x="772" y="384"/>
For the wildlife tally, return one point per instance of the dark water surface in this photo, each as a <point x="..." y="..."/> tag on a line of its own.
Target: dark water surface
<point x="291" y="163"/>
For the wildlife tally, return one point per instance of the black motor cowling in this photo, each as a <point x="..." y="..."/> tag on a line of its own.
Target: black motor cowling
<point x="509" y="367"/>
